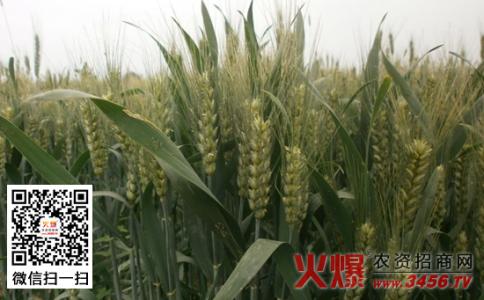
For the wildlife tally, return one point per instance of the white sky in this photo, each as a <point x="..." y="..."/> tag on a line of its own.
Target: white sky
<point x="74" y="31"/>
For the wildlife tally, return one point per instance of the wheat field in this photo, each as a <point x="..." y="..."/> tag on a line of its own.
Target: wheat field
<point x="210" y="174"/>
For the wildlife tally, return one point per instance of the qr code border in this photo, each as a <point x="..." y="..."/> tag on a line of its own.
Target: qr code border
<point x="87" y="190"/>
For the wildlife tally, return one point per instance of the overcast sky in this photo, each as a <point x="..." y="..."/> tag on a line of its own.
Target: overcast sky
<point x="74" y="31"/>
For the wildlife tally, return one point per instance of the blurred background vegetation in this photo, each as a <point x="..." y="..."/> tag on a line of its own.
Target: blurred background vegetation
<point x="210" y="174"/>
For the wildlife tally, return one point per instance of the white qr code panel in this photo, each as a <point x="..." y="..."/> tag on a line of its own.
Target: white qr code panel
<point x="49" y="236"/>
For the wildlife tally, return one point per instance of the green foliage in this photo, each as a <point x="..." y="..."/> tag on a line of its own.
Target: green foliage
<point x="165" y="228"/>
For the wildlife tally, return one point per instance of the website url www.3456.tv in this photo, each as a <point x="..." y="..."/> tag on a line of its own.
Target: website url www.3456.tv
<point x="404" y="271"/>
<point x="425" y="281"/>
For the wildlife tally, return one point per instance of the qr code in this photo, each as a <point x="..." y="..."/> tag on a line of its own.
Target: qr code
<point x="49" y="236"/>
